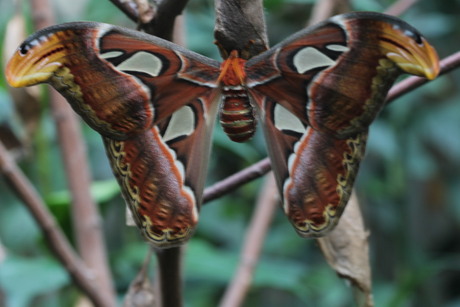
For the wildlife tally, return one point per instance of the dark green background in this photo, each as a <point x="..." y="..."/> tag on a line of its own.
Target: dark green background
<point x="408" y="186"/>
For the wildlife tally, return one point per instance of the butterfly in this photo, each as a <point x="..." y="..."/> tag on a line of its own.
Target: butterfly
<point x="155" y="104"/>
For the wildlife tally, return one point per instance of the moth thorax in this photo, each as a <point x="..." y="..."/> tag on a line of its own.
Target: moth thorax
<point x="236" y="115"/>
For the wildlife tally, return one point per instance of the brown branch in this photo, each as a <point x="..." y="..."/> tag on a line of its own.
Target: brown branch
<point x="447" y="65"/>
<point x="158" y="20"/>
<point x="254" y="238"/>
<point x="169" y="277"/>
<point x="163" y="23"/>
<point x="85" y="216"/>
<point x="145" y="11"/>
<point x="400" y="7"/>
<point x="141" y="291"/>
<point x="240" y="25"/>
<point x="82" y="276"/>
<point x="324" y="9"/>
<point x="236" y="180"/>
<point x="127" y="7"/>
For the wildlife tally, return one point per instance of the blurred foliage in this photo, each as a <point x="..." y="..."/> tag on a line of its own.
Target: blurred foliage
<point x="409" y="187"/>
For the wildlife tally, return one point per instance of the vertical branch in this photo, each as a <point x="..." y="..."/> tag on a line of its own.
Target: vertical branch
<point x="169" y="277"/>
<point x="157" y="20"/>
<point x="169" y="272"/>
<point x="255" y="236"/>
<point x="86" y="220"/>
<point x="400" y="7"/>
<point x="240" y="25"/>
<point x="141" y="293"/>
<point x="324" y="9"/>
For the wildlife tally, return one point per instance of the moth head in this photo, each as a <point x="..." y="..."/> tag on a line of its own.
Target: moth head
<point x="35" y="61"/>
<point x="409" y="50"/>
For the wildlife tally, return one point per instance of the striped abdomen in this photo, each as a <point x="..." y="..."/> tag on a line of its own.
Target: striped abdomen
<point x="236" y="115"/>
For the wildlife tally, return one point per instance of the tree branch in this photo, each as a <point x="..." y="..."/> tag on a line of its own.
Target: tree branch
<point x="141" y="293"/>
<point x="236" y="180"/>
<point x="169" y="277"/>
<point x="240" y="25"/>
<point x="85" y="216"/>
<point x="163" y="23"/>
<point x="254" y="239"/>
<point x="400" y="7"/>
<point x="447" y="65"/>
<point x="324" y="9"/>
<point x="82" y="276"/>
<point x="127" y="7"/>
<point x="158" y="20"/>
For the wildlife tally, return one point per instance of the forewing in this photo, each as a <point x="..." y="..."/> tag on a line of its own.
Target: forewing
<point x="336" y="74"/>
<point x="153" y="102"/>
<point x="317" y="93"/>
<point x="119" y="80"/>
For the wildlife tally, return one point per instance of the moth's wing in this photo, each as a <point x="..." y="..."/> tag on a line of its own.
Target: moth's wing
<point x="317" y="93"/>
<point x="153" y="102"/>
<point x="162" y="170"/>
<point x="119" y="80"/>
<point x="314" y="171"/>
<point x="339" y="71"/>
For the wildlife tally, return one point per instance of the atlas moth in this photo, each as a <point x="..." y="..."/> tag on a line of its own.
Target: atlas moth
<point x="155" y="103"/>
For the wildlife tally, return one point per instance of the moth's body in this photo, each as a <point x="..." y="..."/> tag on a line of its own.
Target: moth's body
<point x="154" y="103"/>
<point x="236" y="114"/>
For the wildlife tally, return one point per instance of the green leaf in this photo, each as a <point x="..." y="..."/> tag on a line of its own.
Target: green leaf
<point x="101" y="191"/>
<point x="23" y="279"/>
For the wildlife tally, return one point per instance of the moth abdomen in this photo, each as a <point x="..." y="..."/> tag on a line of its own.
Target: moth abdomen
<point x="237" y="115"/>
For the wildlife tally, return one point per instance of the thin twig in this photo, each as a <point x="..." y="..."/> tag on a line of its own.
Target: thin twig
<point x="141" y="293"/>
<point x="253" y="242"/>
<point x="163" y="23"/>
<point x="400" y="7"/>
<point x="56" y="240"/>
<point x="85" y="216"/>
<point x="324" y="9"/>
<point x="447" y="65"/>
<point x="240" y="25"/>
<point x="145" y="11"/>
<point x="236" y="180"/>
<point x="127" y="7"/>
<point x="158" y="20"/>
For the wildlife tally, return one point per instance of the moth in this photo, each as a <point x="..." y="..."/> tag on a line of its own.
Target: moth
<point x="155" y="104"/>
